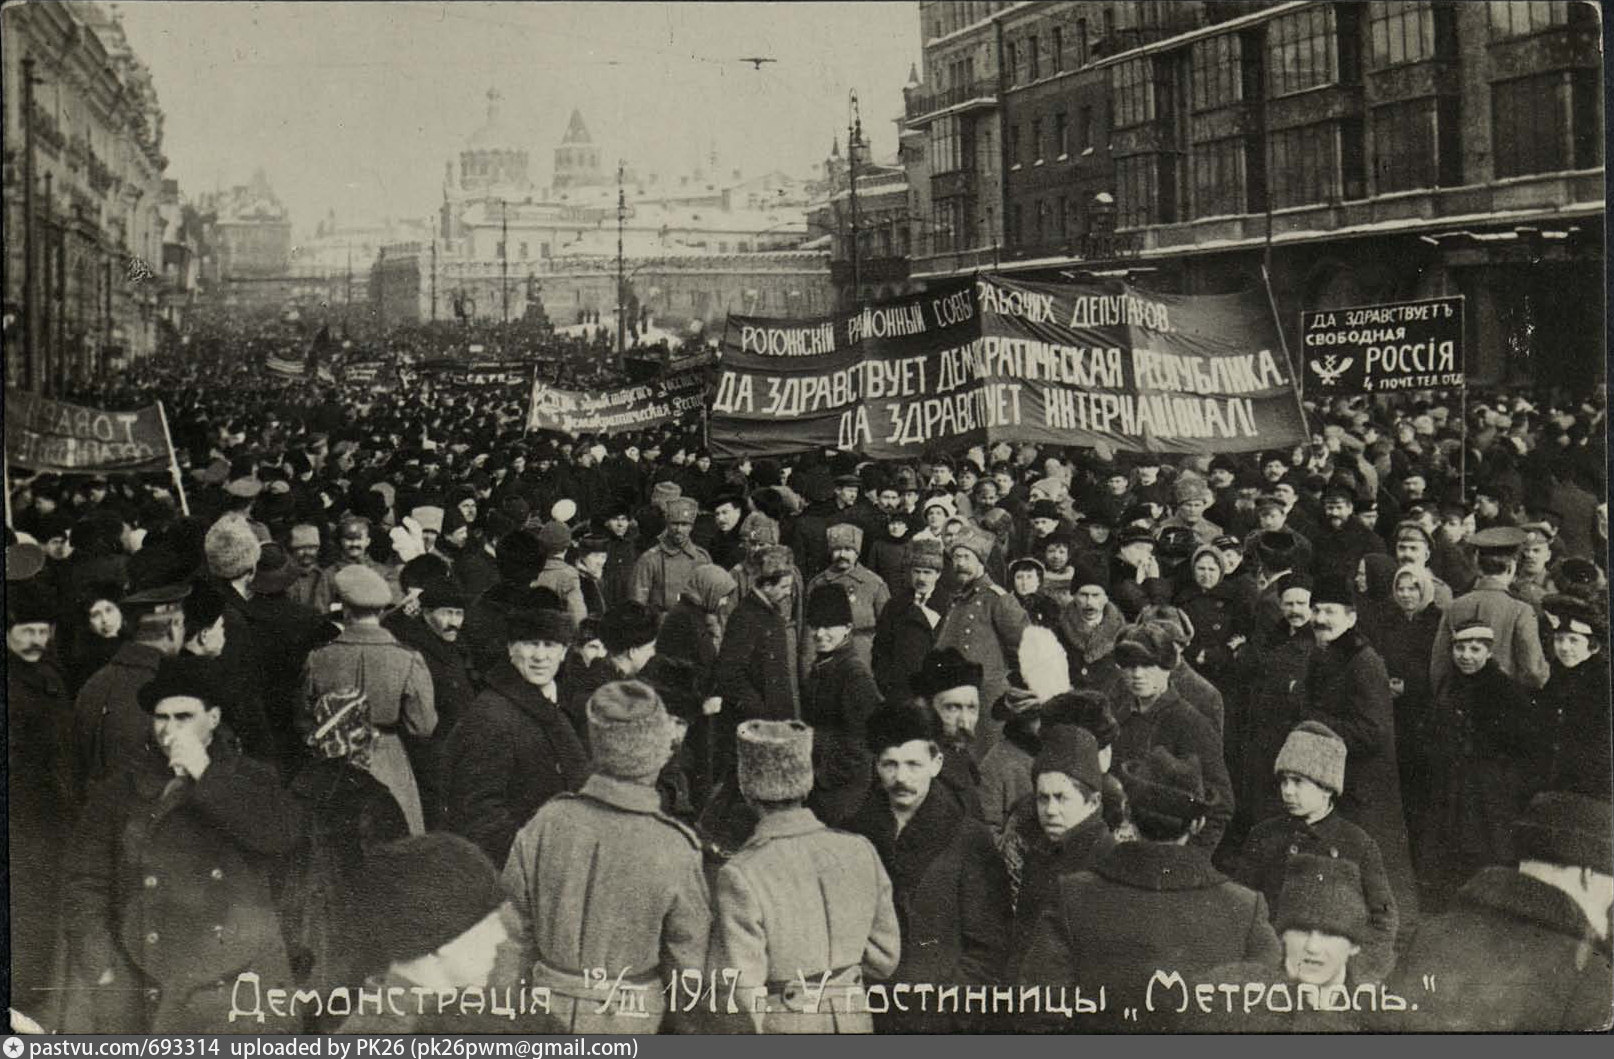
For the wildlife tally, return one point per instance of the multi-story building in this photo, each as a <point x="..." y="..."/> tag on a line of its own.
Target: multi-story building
<point x="867" y="204"/>
<point x="1361" y="152"/>
<point x="89" y="298"/>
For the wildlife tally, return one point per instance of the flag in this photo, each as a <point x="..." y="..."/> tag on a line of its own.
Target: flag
<point x="286" y="366"/>
<point x="46" y="435"/>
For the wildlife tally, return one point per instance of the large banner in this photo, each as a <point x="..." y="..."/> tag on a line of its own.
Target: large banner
<point x="995" y="359"/>
<point x="631" y="408"/>
<point x="1379" y="348"/>
<point x="45" y="435"/>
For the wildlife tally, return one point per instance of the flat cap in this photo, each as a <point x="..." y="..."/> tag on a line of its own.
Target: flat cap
<point x="359" y="586"/>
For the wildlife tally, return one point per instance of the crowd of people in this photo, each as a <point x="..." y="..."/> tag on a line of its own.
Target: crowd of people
<point x="413" y="697"/>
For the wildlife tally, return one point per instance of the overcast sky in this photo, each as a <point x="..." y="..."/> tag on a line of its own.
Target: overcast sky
<point x="357" y="106"/>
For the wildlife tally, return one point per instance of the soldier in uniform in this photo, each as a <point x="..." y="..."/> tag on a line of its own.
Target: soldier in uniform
<point x="640" y="913"/>
<point x="1518" y="651"/>
<point x="353" y="535"/>
<point x="984" y="624"/>
<point x="802" y="913"/>
<point x="866" y="590"/>
<point x="661" y="572"/>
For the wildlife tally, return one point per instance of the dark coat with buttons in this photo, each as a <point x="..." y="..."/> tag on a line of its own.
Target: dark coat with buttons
<point x="1265" y="858"/>
<point x="839" y="698"/>
<point x="168" y="889"/>
<point x="511" y="752"/>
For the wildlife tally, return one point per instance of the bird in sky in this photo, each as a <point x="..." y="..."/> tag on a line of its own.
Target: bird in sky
<point x="757" y="61"/>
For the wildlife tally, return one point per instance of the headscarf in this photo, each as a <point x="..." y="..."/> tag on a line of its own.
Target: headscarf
<point x="1426" y="584"/>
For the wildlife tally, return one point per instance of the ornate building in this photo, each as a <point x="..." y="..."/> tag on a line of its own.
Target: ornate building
<point x="95" y="278"/>
<point x="577" y="160"/>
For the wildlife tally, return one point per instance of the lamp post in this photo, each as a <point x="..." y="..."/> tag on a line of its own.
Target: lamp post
<point x="621" y="280"/>
<point x="854" y="135"/>
<point x="30" y="277"/>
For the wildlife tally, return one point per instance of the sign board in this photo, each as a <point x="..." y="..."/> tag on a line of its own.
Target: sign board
<point x="997" y="359"/>
<point x="663" y="400"/>
<point x="1383" y="348"/>
<point x="45" y="435"/>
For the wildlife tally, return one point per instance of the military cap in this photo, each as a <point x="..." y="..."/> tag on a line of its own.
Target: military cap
<point x="1498" y="539"/>
<point x="164" y="599"/>
<point x="359" y="586"/>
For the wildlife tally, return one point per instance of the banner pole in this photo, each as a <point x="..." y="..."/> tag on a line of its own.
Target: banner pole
<point x="173" y="462"/>
<point x="1283" y="343"/>
<point x="1462" y="466"/>
<point x="5" y="468"/>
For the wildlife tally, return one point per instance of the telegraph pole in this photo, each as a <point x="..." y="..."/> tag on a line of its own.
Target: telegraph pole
<point x="30" y="270"/>
<point x="347" y="306"/>
<point x="854" y="135"/>
<point x="504" y="257"/>
<point x="434" y="280"/>
<point x="621" y="306"/>
<point x="381" y="289"/>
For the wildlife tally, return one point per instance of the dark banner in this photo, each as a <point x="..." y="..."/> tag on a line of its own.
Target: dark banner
<point x="995" y="359"/>
<point x="1381" y="348"/>
<point x="615" y="411"/>
<point x="45" y="435"/>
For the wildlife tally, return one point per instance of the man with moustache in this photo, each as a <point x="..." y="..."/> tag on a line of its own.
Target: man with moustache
<point x="865" y="589"/>
<point x="949" y="685"/>
<point x="1347" y="688"/>
<point x="1091" y="624"/>
<point x="1344" y="539"/>
<point x="40" y="787"/>
<point x="313" y="588"/>
<point x="661" y="572"/>
<point x="984" y="622"/>
<point x="907" y="628"/>
<point x="435" y="633"/>
<point x="948" y="883"/>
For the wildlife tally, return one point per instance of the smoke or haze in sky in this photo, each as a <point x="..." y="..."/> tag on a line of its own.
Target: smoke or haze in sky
<point x="356" y="107"/>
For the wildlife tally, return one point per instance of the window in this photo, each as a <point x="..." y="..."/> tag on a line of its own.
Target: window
<point x="1037" y="154"/>
<point x="944" y="151"/>
<point x="1520" y="18"/>
<point x="1061" y="228"/>
<point x="1531" y="122"/>
<point x="1081" y="42"/>
<point x="1217" y="76"/>
<point x="1011" y="60"/>
<point x="1056" y="57"/>
<point x="1218" y="178"/>
<point x="1017" y="218"/>
<point x="1134" y="92"/>
<point x="1404" y="142"/>
<point x="1303" y="165"/>
<point x="1301" y="51"/>
<point x="1135" y="182"/>
<point x="1014" y="145"/>
<point x="1401" y="31"/>
<point x="1033" y="59"/>
<point x="1111" y="45"/>
<point x="1084" y="129"/>
<point x="1061" y="136"/>
<point x="1042" y="219"/>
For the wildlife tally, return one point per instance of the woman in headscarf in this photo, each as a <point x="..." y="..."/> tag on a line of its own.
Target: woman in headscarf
<point x="1404" y="634"/>
<point x="1220" y="620"/>
<point x="97" y="632"/>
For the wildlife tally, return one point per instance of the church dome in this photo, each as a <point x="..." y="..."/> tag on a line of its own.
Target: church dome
<point x="495" y="133"/>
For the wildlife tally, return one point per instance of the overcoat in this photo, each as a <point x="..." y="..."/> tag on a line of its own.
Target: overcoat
<point x="839" y="698"/>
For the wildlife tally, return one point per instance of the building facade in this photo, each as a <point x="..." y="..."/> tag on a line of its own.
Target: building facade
<point x="1359" y="152"/>
<point x="94" y="280"/>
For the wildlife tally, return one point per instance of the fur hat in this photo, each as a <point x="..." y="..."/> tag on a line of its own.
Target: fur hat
<point x="29" y="604"/>
<point x="943" y="670"/>
<point x="1566" y="613"/>
<point x="1165" y="792"/>
<point x="185" y="676"/>
<point x="775" y="760"/>
<point x="774" y="560"/>
<point x="1333" y="587"/>
<point x="303" y="535"/>
<point x="943" y="501"/>
<point x="681" y="509"/>
<point x="442" y="592"/>
<point x="664" y="492"/>
<point x="520" y="557"/>
<point x="977" y="542"/>
<point x="895" y="725"/>
<point x="425" y="891"/>
<point x="1089" y="568"/>
<point x="627" y="625"/>
<point x="539" y="624"/>
<point x="827" y="605"/>
<point x="275" y="571"/>
<point x="844" y="535"/>
<point x="1045" y="509"/>
<point x="1276" y="548"/>
<point x="429" y="516"/>
<point x="1085" y="708"/>
<point x="1323" y="894"/>
<point x="629" y="729"/>
<point x="232" y="549"/>
<point x="1315" y="751"/>
<point x="1072" y="751"/>
<point x="1571" y="830"/>
<point x="1150" y="644"/>
<point x="1191" y="487"/>
<point x="757" y="528"/>
<point x="1174" y="620"/>
<point x="926" y="553"/>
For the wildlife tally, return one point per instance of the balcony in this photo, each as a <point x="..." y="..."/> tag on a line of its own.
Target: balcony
<point x="960" y="182"/>
<point x="957" y="99"/>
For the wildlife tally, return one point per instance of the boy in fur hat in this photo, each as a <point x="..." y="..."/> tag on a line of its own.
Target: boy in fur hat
<point x="642" y="911"/>
<point x="803" y="913"/>
<point x="1311" y="774"/>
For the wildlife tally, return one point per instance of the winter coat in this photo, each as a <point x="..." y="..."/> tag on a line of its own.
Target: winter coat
<point x="561" y="578"/>
<point x="985" y="623"/>
<point x="1262" y="863"/>
<point x="511" y="752"/>
<point x="1573" y="711"/>
<point x="639" y="909"/>
<point x="41" y="787"/>
<point x="659" y="575"/>
<point x="752" y="671"/>
<point x="1145" y="906"/>
<point x="1218" y="615"/>
<point x="1339" y="551"/>
<point x="1512" y="955"/>
<point x="902" y="638"/>
<point x="285" y="634"/>
<point x="483" y="635"/>
<point x="168" y="888"/>
<point x="1270" y="697"/>
<point x="951" y="896"/>
<point x="1483" y="762"/>
<point x="838" y="700"/>
<point x="1171" y="723"/>
<point x="476" y="570"/>
<point x="1517" y="647"/>
<point x="313" y="591"/>
<point x="395" y="680"/>
<point x="1043" y="863"/>
<point x="1348" y="690"/>
<point x="239" y="667"/>
<point x="109" y="727"/>
<point x="796" y="902"/>
<point x="1006" y="776"/>
<point x="868" y="595"/>
<point x="1091" y="649"/>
